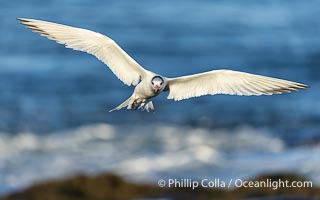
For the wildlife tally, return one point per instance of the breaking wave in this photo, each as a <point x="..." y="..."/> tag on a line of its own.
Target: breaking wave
<point x="147" y="153"/>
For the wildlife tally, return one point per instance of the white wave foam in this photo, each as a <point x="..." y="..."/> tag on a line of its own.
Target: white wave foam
<point x="148" y="153"/>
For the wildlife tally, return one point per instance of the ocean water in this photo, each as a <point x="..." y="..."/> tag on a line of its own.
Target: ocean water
<point x="54" y="101"/>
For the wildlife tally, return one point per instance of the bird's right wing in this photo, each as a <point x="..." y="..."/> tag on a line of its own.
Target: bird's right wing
<point x="227" y="82"/>
<point x="101" y="46"/>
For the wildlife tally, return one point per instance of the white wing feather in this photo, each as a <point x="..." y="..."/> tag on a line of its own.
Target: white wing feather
<point x="101" y="46"/>
<point x="227" y="82"/>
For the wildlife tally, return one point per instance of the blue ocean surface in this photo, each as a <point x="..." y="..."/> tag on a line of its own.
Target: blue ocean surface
<point x="54" y="102"/>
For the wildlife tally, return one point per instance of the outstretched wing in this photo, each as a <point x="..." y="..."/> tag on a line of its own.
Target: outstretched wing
<point x="227" y="82"/>
<point x="101" y="46"/>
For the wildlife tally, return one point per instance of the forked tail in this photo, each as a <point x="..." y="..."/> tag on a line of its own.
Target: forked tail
<point x="122" y="105"/>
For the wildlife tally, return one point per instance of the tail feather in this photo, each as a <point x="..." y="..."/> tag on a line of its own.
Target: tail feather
<point x="122" y="105"/>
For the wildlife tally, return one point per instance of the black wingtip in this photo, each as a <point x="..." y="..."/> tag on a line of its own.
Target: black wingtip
<point x="303" y="87"/>
<point x="21" y="19"/>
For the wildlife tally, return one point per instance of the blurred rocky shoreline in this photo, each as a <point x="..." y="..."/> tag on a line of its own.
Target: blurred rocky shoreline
<point x="110" y="186"/>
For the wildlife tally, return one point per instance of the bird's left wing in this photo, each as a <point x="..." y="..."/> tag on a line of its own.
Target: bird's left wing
<point x="227" y="82"/>
<point x="101" y="46"/>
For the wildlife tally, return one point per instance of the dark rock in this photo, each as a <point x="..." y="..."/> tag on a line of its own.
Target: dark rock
<point x="108" y="186"/>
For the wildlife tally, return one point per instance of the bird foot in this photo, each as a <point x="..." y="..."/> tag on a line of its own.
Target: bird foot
<point x="144" y="105"/>
<point x="149" y="107"/>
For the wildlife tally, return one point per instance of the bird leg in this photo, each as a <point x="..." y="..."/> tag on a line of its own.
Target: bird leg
<point x="142" y="104"/>
<point x="136" y="104"/>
